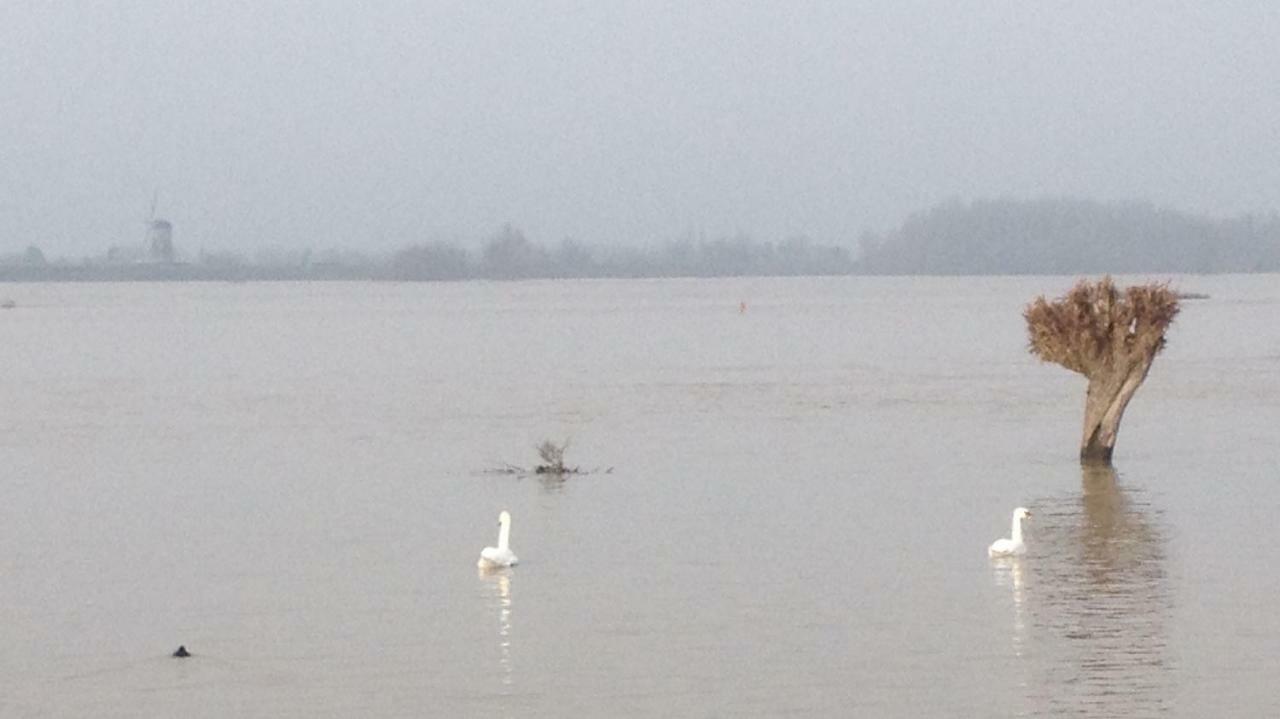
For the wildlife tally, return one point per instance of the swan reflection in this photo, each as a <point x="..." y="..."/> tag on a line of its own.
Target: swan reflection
<point x="1008" y="573"/>
<point x="499" y="584"/>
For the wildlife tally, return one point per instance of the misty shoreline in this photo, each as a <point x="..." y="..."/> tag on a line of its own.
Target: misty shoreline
<point x="990" y="237"/>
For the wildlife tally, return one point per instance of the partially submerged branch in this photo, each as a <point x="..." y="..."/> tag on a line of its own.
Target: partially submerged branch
<point x="553" y="464"/>
<point x="552" y="455"/>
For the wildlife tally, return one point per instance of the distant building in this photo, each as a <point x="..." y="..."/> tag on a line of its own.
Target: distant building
<point x="160" y="241"/>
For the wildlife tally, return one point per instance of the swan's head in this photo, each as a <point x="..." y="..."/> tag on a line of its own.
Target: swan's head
<point x="1022" y="513"/>
<point x="504" y="518"/>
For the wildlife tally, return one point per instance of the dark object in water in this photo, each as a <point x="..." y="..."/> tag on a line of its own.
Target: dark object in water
<point x="182" y="651"/>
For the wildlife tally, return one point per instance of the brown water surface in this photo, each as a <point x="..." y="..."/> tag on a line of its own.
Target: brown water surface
<point x="288" y="479"/>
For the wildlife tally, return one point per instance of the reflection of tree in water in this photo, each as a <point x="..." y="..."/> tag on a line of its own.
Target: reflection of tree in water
<point x="1102" y="603"/>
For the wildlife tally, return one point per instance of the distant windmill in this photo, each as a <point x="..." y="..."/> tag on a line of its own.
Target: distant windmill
<point x="159" y="235"/>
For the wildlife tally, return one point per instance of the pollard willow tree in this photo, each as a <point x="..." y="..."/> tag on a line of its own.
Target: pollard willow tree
<point x="1109" y="336"/>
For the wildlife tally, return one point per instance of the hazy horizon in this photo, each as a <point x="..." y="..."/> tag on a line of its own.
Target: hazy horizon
<point x="327" y="125"/>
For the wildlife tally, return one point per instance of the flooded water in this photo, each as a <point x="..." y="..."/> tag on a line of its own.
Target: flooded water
<point x="291" y="481"/>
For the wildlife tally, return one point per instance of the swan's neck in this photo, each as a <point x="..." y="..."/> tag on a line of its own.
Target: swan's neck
<point x="504" y="535"/>
<point x="1016" y="534"/>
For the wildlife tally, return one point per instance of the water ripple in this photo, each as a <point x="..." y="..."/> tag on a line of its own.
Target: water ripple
<point x="1099" y="601"/>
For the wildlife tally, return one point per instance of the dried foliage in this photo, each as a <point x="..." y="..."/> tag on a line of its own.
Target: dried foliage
<point x="1097" y="328"/>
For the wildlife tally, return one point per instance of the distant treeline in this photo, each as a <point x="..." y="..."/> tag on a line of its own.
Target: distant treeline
<point x="1058" y="236"/>
<point x="1070" y="237"/>
<point x="507" y="255"/>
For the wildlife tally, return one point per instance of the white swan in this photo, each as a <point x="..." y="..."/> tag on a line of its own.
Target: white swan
<point x="1013" y="545"/>
<point x="501" y="555"/>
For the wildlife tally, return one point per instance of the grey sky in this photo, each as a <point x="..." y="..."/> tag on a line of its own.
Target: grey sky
<point x="373" y="125"/>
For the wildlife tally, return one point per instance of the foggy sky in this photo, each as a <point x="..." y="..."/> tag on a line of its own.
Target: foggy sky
<point x="374" y="125"/>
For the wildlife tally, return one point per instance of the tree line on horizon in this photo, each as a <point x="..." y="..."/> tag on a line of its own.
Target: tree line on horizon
<point x="506" y="255"/>
<point x="1051" y="236"/>
<point x="1071" y="237"/>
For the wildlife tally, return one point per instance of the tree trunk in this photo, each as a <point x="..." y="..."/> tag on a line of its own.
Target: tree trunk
<point x="1109" y="393"/>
